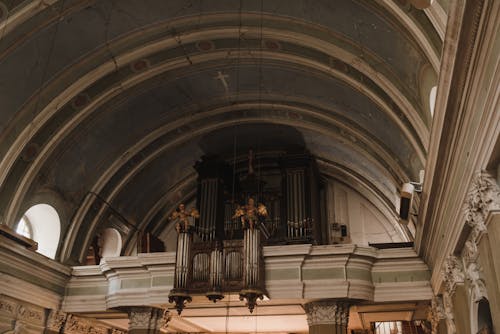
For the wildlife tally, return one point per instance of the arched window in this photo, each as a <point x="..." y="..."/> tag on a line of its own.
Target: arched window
<point x="110" y="242"/>
<point x="432" y="99"/>
<point x="41" y="223"/>
<point x="484" y="321"/>
<point x="24" y="228"/>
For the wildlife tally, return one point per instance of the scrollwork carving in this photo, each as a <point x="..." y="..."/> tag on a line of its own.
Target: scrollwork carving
<point x="76" y="325"/>
<point x="164" y="320"/>
<point x="7" y="307"/>
<point x="483" y="197"/>
<point x="140" y="317"/>
<point x="117" y="331"/>
<point x="452" y="273"/>
<point x="56" y="320"/>
<point x="435" y="313"/>
<point x="476" y="283"/>
<point x="327" y="312"/>
<point x="148" y="318"/>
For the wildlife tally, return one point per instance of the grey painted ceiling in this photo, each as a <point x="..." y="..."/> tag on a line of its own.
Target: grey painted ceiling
<point x="120" y="98"/>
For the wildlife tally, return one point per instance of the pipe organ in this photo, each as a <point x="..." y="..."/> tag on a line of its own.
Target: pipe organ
<point x="240" y="209"/>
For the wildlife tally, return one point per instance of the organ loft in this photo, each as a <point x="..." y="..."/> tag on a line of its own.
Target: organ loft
<point x="239" y="208"/>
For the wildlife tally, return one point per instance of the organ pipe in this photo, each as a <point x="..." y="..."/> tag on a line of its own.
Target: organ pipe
<point x="216" y="274"/>
<point x="180" y="293"/>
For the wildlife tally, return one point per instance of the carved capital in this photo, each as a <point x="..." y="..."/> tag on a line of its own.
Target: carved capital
<point x="148" y="318"/>
<point x="56" y="320"/>
<point x="327" y="312"/>
<point x="452" y="273"/>
<point x="483" y="196"/>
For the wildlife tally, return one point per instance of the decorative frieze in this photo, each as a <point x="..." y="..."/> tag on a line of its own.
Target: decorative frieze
<point x="117" y="331"/>
<point x="327" y="313"/>
<point x="452" y="273"/>
<point x="56" y="320"/>
<point x="21" y="311"/>
<point x="77" y="325"/>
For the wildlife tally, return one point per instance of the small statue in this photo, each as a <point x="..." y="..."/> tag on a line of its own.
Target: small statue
<point x="182" y="217"/>
<point x="250" y="214"/>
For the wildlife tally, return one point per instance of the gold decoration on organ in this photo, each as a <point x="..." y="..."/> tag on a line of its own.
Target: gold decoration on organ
<point x="184" y="225"/>
<point x="219" y="247"/>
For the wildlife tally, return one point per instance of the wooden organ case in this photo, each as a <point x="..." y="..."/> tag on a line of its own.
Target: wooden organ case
<point x="278" y="203"/>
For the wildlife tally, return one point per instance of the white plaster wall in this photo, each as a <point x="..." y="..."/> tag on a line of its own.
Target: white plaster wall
<point x="365" y="223"/>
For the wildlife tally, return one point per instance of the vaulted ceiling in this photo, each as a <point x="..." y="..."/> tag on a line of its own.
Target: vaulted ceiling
<point x="106" y="105"/>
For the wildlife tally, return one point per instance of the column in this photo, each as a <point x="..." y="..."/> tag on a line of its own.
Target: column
<point x="327" y="317"/>
<point x="147" y="320"/>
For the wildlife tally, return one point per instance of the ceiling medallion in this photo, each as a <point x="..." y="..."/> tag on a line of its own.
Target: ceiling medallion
<point x="30" y="152"/>
<point x="140" y="65"/>
<point x="80" y="101"/>
<point x="271" y="45"/>
<point x="205" y="46"/>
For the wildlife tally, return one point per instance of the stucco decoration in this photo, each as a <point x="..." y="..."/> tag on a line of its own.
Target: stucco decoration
<point x="453" y="273"/>
<point x="435" y="313"/>
<point x="25" y="313"/>
<point x="76" y="325"/>
<point x="164" y="320"/>
<point x="56" y="320"/>
<point x="118" y="331"/>
<point x="148" y="318"/>
<point x="484" y="196"/>
<point x="327" y="312"/>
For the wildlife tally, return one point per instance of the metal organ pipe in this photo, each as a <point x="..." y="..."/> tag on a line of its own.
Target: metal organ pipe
<point x="251" y="250"/>
<point x="182" y="261"/>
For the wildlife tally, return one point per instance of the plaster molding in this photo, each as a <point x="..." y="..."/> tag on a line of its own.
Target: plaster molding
<point x="77" y="325"/>
<point x="300" y="271"/>
<point x="438" y="17"/>
<point x="392" y="292"/>
<point x="452" y="273"/>
<point x="148" y="318"/>
<point x="435" y="313"/>
<point x="117" y="331"/>
<point x="56" y="320"/>
<point x="25" y="291"/>
<point x="327" y="313"/>
<point x="21" y="312"/>
<point x="483" y="196"/>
